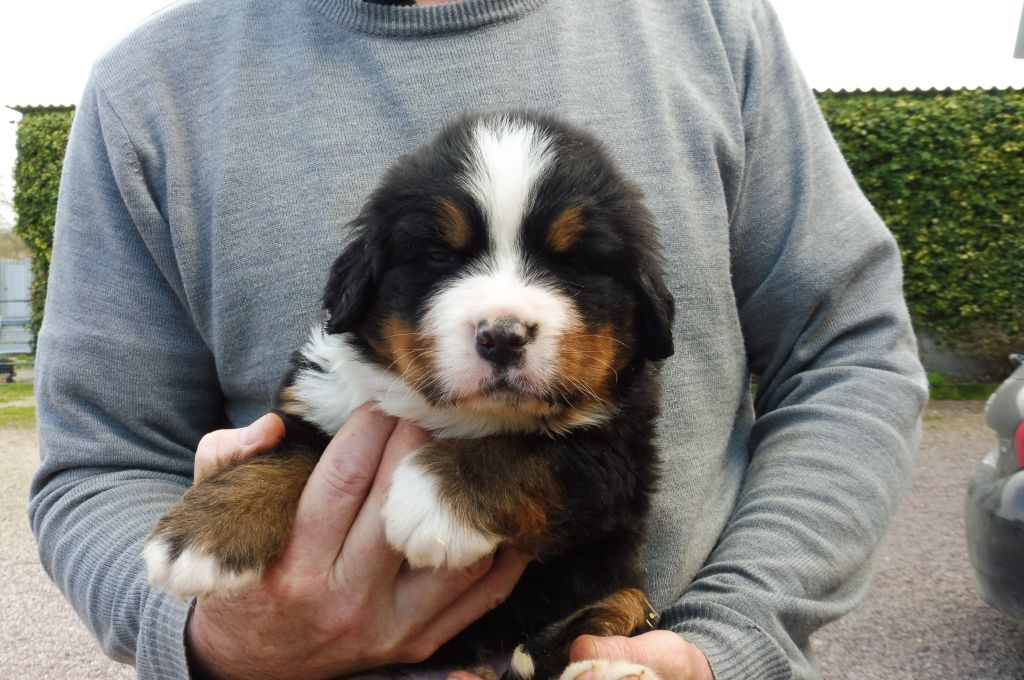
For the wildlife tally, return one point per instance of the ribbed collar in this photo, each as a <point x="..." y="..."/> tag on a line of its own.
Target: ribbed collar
<point x="450" y="17"/>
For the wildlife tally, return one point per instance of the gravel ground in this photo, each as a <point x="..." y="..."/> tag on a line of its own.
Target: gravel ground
<point x="40" y="635"/>
<point x="921" y="620"/>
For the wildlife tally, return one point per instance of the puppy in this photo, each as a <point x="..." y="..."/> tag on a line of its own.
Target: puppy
<point x="503" y="289"/>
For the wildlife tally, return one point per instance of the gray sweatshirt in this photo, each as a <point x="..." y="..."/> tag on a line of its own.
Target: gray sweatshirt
<point x="220" y="149"/>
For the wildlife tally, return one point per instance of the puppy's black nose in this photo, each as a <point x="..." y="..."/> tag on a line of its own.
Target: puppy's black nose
<point x="504" y="341"/>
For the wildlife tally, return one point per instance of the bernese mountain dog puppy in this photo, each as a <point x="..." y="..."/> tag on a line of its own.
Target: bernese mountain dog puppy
<point x="503" y="289"/>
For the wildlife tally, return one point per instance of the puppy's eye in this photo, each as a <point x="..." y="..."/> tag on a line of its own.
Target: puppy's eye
<point x="441" y="257"/>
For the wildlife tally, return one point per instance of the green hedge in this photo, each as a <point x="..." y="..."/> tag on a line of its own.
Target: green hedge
<point x="42" y="138"/>
<point x="946" y="172"/>
<point x="944" y="169"/>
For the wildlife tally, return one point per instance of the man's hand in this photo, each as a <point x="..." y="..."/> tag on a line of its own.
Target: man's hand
<point x="339" y="599"/>
<point x="664" y="652"/>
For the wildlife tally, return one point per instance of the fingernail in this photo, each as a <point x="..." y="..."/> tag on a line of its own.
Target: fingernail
<point x="253" y="433"/>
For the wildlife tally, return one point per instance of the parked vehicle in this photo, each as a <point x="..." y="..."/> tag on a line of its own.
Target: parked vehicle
<point x="995" y="502"/>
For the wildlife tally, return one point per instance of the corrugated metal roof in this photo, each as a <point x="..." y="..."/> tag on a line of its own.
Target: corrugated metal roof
<point x="914" y="90"/>
<point x="35" y="108"/>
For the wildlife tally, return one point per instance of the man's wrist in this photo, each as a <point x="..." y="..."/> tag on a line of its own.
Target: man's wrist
<point x="197" y="667"/>
<point x="200" y="645"/>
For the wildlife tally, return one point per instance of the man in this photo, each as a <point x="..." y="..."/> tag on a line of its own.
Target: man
<point x="214" y="159"/>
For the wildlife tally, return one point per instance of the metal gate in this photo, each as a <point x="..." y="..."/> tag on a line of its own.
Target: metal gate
<point x="16" y="281"/>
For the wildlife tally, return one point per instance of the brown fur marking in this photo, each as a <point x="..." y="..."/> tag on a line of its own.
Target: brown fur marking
<point x="408" y="352"/>
<point x="453" y="224"/>
<point x="625" y="612"/>
<point x="243" y="514"/>
<point x="566" y="230"/>
<point x="590" y="359"/>
<point x="497" y="486"/>
<point x="289" y="402"/>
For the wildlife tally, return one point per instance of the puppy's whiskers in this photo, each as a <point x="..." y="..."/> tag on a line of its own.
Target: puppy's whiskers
<point x="605" y="337"/>
<point x="595" y="359"/>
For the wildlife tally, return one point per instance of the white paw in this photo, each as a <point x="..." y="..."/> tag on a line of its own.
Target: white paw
<point x="521" y="664"/>
<point x="608" y="670"/>
<point x="421" y="525"/>
<point x="192" y="573"/>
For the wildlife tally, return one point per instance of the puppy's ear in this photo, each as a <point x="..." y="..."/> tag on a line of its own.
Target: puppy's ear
<point x="656" y="308"/>
<point x="350" y="286"/>
<point x="654" y="316"/>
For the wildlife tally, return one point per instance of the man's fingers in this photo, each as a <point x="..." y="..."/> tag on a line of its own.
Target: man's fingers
<point x="366" y="558"/>
<point x="434" y="590"/>
<point x="336" y="490"/>
<point x="664" y="652"/>
<point x="615" y="648"/>
<point x="478" y="598"/>
<point x="263" y="433"/>
<point x="484" y="671"/>
<point x="406" y="438"/>
<point x="217" y="449"/>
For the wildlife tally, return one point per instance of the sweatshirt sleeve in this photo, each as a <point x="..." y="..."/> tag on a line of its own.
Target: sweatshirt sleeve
<point x="125" y="388"/>
<point x="818" y="285"/>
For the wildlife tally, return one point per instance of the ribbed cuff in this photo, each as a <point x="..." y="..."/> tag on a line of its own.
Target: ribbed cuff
<point x="160" y="654"/>
<point x="736" y="647"/>
<point x="402" y="21"/>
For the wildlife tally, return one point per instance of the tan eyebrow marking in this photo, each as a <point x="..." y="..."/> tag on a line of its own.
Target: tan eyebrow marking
<point x="453" y="224"/>
<point x="566" y="230"/>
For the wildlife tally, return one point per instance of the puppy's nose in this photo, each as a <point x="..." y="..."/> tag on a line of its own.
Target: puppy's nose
<point x="503" y="341"/>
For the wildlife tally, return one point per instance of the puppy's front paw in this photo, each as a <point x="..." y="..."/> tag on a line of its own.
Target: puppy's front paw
<point x="228" y="529"/>
<point x="424" y="526"/>
<point x="603" y="669"/>
<point x="185" y="569"/>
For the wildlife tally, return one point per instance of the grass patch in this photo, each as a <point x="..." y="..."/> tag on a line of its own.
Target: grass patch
<point x="15" y="392"/>
<point x="13" y="414"/>
<point x="23" y="417"/>
<point x="942" y="390"/>
<point x="962" y="391"/>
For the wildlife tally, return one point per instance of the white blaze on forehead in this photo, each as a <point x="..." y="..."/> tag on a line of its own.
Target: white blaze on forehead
<point x="507" y="159"/>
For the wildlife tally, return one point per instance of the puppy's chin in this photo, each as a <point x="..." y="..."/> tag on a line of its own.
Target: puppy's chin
<point x="512" y="412"/>
<point x="500" y="395"/>
<point x="513" y="406"/>
<point x="509" y="404"/>
<point x="507" y="390"/>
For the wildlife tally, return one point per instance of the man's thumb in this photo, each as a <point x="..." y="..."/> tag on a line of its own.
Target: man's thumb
<point x="618" y="648"/>
<point x="264" y="432"/>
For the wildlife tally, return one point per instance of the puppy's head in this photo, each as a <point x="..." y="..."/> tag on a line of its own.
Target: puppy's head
<point x="508" y="268"/>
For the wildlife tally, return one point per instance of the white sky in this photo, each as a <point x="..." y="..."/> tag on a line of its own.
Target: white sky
<point x="47" y="46"/>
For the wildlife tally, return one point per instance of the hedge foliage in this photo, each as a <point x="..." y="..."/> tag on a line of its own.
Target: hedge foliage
<point x="944" y="169"/>
<point x="42" y="138"/>
<point x="946" y="172"/>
